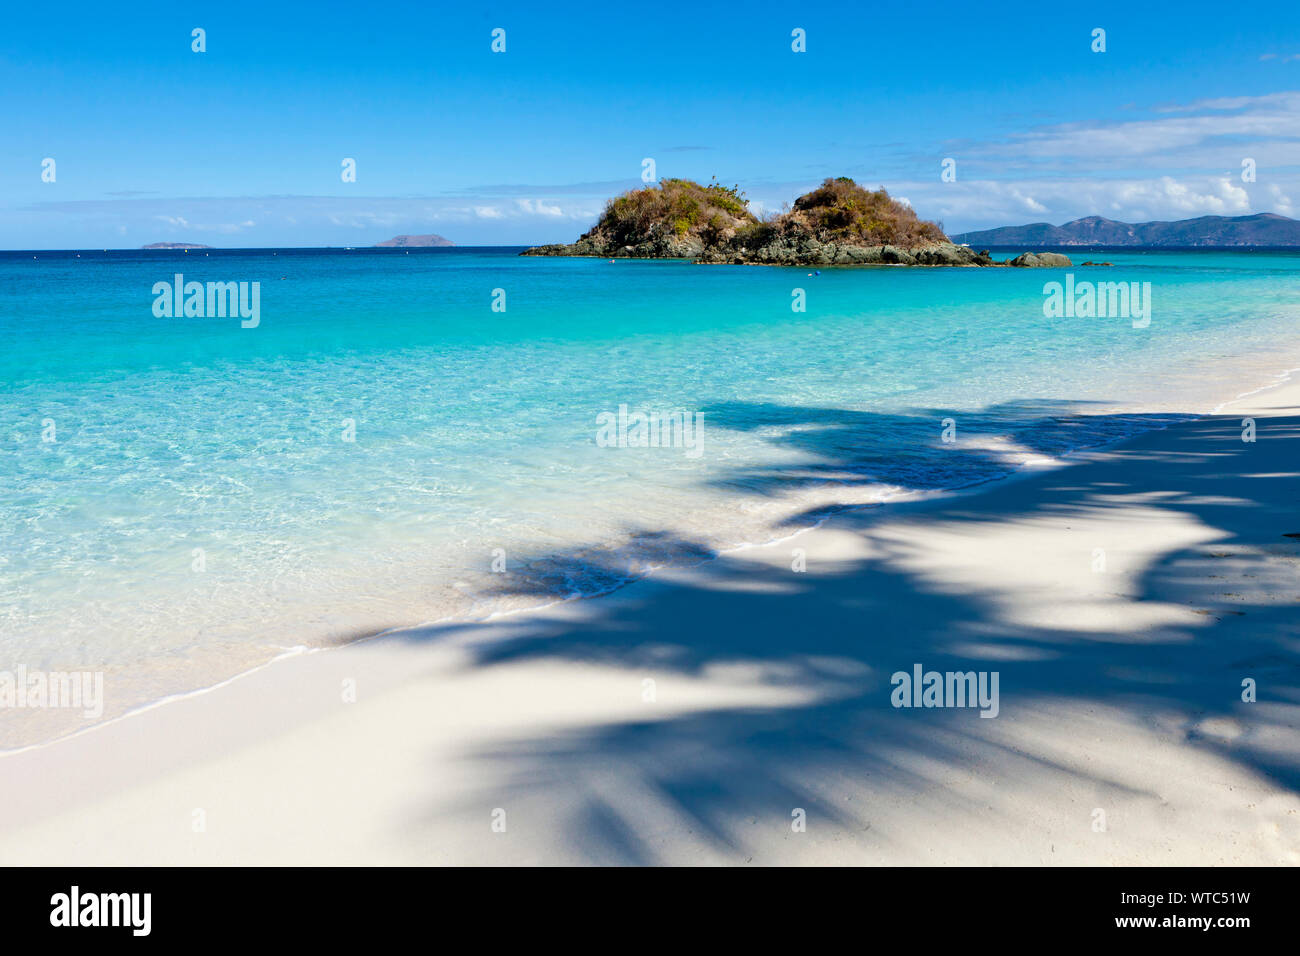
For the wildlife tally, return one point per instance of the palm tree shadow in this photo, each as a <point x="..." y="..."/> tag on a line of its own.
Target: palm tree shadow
<point x="815" y="651"/>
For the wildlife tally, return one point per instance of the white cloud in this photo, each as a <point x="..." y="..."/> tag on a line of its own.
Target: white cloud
<point x="1175" y="131"/>
<point x="1215" y="197"/>
<point x="980" y="204"/>
<point x="1281" y="201"/>
<point x="1181" y="161"/>
<point x="225" y="228"/>
<point x="1029" y="202"/>
<point x="538" y="207"/>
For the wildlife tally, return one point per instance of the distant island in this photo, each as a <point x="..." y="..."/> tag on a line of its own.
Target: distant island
<point x="1261" y="229"/>
<point x="175" y="245"/>
<point x="414" y="242"/>
<point x="838" y="223"/>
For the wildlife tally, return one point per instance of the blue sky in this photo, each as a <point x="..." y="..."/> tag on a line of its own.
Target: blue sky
<point x="242" y="145"/>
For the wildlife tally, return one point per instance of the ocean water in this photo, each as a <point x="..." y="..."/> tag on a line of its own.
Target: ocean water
<point x="185" y="489"/>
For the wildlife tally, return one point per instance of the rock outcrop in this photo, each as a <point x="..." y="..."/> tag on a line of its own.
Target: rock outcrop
<point x="678" y="219"/>
<point x="839" y="223"/>
<point x="807" y="251"/>
<point x="1051" y="260"/>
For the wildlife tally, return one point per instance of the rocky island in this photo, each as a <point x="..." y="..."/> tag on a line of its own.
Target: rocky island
<point x="838" y="223"/>
<point x="431" y="241"/>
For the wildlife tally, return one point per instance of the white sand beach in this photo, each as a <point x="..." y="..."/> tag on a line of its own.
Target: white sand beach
<point x="1122" y="599"/>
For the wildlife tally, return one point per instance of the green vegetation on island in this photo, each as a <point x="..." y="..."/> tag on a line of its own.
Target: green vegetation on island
<point x="838" y="223"/>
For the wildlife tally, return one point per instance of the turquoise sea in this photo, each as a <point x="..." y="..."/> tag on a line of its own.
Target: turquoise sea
<point x="175" y="490"/>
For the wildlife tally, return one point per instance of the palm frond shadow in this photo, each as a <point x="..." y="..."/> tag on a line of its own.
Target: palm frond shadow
<point x="837" y="633"/>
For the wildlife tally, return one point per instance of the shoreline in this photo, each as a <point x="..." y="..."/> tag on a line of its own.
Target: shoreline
<point x="1113" y="697"/>
<point x="902" y="498"/>
<point x="291" y="569"/>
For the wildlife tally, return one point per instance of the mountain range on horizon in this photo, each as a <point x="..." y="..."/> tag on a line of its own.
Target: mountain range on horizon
<point x="1260" y="229"/>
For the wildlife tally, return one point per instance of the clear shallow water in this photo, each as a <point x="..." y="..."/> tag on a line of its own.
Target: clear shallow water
<point x="475" y="429"/>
